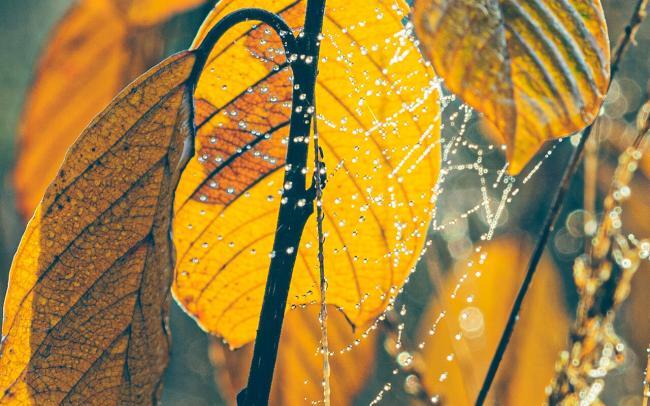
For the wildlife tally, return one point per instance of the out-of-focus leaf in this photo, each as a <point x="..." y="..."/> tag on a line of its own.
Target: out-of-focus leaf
<point x="86" y="309"/>
<point x="376" y="107"/>
<point x="298" y="375"/>
<point x="95" y="50"/>
<point x="150" y="12"/>
<point x="536" y="69"/>
<point x="636" y="212"/>
<point x="456" y="365"/>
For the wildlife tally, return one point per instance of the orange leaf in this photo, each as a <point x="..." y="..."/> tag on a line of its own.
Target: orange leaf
<point x="96" y="49"/>
<point x="298" y="374"/>
<point x="377" y="112"/>
<point x="537" y="70"/>
<point x="150" y="12"/>
<point x="456" y="365"/>
<point x="86" y="309"/>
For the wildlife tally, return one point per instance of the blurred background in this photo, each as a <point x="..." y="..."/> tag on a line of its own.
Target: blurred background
<point x="399" y="361"/>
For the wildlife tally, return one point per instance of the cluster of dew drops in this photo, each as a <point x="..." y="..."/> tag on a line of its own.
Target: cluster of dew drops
<point x="275" y="57"/>
<point x="505" y="186"/>
<point x="500" y="184"/>
<point x="471" y="319"/>
<point x="269" y="57"/>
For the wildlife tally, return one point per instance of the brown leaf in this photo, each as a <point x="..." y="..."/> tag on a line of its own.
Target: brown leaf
<point x="536" y="69"/>
<point x="86" y="309"/>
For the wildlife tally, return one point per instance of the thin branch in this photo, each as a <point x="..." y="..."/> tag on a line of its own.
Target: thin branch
<point x="296" y="208"/>
<point x="646" y="381"/>
<point x="590" y="193"/>
<point x="558" y="199"/>
<point x="236" y="17"/>
<point x="319" y="172"/>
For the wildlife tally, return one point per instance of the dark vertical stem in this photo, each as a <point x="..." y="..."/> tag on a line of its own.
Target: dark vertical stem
<point x="296" y="207"/>
<point x="623" y="43"/>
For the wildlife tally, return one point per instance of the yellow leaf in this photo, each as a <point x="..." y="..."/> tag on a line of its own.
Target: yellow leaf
<point x="86" y="309"/>
<point x="94" y="51"/>
<point x="298" y="373"/>
<point x="537" y="70"/>
<point x="377" y="109"/>
<point x="456" y="367"/>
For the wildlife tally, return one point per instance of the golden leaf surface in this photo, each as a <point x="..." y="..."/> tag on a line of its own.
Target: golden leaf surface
<point x="377" y="115"/>
<point x="457" y="355"/>
<point x="86" y="310"/>
<point x="537" y="70"/>
<point x="98" y="47"/>
<point x="297" y="379"/>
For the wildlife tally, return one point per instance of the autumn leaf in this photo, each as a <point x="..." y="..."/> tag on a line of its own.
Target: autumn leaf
<point x="85" y="317"/>
<point x="95" y="50"/>
<point x="537" y="70"/>
<point x="151" y="12"/>
<point x="298" y="374"/>
<point x="457" y="354"/>
<point x="377" y="115"/>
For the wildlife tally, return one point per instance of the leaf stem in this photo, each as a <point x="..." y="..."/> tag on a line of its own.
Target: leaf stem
<point x="622" y="45"/>
<point x="319" y="172"/>
<point x="236" y="17"/>
<point x="296" y="207"/>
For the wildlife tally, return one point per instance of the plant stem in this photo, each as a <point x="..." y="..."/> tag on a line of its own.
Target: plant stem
<point x="296" y="207"/>
<point x="646" y="381"/>
<point x="319" y="172"/>
<point x="622" y="45"/>
<point x="590" y="193"/>
<point x="236" y="17"/>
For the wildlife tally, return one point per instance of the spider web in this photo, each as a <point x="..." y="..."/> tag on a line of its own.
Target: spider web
<point x="473" y="187"/>
<point x="472" y="197"/>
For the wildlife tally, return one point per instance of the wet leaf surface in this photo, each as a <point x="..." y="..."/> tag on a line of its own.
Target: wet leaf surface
<point x="379" y="129"/>
<point x="86" y="310"/>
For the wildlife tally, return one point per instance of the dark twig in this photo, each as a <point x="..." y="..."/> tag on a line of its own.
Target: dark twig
<point x="558" y="199"/>
<point x="246" y="14"/>
<point x="297" y="205"/>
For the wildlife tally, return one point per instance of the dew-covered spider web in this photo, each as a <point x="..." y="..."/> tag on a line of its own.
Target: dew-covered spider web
<point x="473" y="196"/>
<point x="412" y="188"/>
